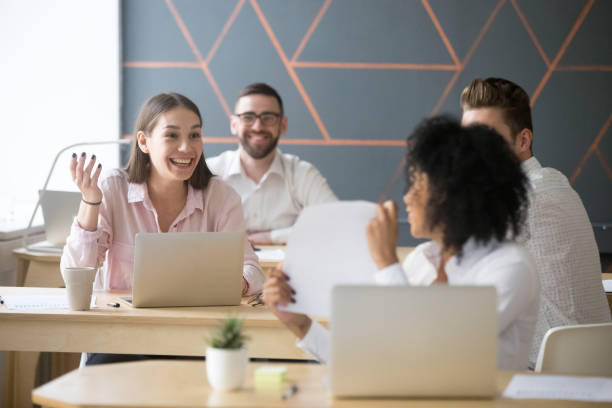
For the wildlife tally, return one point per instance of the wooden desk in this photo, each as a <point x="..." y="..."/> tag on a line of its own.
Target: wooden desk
<point x="39" y="269"/>
<point x="169" y="331"/>
<point x="172" y="331"/>
<point x="184" y="384"/>
<point x="18" y="372"/>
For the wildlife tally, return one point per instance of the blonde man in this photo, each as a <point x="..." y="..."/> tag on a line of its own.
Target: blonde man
<point x="559" y="234"/>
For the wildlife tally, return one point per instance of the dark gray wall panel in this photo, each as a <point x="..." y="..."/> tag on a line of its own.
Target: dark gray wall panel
<point x="204" y="27"/>
<point x="290" y="20"/>
<point x="605" y="147"/>
<point x="551" y="21"/>
<point x="593" y="42"/>
<point x="382" y="31"/>
<point x="373" y="104"/>
<point x="506" y="51"/>
<point x="149" y="33"/>
<point x="462" y="21"/>
<point x="140" y="84"/>
<point x="351" y="104"/>
<point x="247" y="55"/>
<point x="563" y="132"/>
<point x="597" y="202"/>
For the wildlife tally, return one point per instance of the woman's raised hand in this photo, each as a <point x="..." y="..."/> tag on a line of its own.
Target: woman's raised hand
<point x="382" y="235"/>
<point x="84" y="179"/>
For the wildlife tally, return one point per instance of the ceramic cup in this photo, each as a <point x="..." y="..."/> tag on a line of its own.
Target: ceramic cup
<point x="79" y="285"/>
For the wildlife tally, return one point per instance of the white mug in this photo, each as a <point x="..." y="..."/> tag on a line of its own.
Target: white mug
<point x="79" y="285"/>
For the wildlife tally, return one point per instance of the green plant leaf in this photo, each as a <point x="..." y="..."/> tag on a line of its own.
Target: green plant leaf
<point x="228" y="334"/>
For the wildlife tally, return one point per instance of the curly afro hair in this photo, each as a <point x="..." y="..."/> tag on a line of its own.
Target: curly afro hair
<point x="476" y="184"/>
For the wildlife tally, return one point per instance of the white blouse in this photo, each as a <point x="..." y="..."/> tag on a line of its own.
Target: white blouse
<point x="507" y="266"/>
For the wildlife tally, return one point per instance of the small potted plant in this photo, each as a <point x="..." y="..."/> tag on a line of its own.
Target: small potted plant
<point x="226" y="357"/>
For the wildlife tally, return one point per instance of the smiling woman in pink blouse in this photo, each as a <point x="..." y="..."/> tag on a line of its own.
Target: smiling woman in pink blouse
<point x="166" y="187"/>
<point x="466" y="194"/>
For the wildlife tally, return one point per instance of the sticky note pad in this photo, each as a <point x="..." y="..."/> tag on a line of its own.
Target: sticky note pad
<point x="270" y="375"/>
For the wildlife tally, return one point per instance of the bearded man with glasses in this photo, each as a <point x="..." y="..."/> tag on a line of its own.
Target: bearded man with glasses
<point x="274" y="186"/>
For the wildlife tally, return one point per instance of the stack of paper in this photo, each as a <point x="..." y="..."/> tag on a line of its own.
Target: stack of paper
<point x="328" y="247"/>
<point x="270" y="254"/>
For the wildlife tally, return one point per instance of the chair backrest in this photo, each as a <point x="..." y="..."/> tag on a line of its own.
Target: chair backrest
<point x="580" y="350"/>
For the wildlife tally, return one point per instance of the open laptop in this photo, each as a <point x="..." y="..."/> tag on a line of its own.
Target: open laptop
<point x="59" y="209"/>
<point x="401" y="341"/>
<point x="188" y="269"/>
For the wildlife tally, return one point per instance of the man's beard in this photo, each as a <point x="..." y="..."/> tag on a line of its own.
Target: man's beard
<point x="264" y="150"/>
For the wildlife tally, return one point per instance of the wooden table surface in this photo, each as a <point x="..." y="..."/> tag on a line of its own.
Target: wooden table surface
<point x="165" y="383"/>
<point x="165" y="331"/>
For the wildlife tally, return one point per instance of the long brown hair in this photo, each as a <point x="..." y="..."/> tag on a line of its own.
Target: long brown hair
<point x="139" y="166"/>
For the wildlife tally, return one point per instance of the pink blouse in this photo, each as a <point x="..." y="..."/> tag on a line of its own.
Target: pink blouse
<point x="127" y="209"/>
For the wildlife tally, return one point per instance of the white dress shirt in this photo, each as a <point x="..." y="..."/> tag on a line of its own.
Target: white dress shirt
<point x="273" y="204"/>
<point x="561" y="240"/>
<point x="507" y="266"/>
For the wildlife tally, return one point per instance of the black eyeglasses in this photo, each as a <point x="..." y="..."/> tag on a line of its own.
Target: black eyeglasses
<point x="266" y="118"/>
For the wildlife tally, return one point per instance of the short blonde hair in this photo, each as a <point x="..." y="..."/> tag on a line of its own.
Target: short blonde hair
<point x="503" y="94"/>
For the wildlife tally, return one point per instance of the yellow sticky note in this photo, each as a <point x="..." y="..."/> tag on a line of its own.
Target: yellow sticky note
<point x="270" y="375"/>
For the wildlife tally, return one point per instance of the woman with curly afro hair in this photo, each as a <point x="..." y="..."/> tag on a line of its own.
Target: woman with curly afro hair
<point x="466" y="194"/>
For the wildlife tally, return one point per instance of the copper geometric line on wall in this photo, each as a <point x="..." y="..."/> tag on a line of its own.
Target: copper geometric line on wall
<point x="594" y="148"/>
<point x="292" y="63"/>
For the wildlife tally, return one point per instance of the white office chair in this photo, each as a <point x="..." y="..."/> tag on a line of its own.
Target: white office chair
<point x="584" y="349"/>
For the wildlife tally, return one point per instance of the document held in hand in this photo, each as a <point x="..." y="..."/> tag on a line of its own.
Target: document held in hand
<point x="328" y="247"/>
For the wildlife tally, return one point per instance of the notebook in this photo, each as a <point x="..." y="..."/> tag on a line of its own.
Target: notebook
<point x="402" y="341"/>
<point x="188" y="269"/>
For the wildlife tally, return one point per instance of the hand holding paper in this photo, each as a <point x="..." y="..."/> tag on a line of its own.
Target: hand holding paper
<point x="382" y="235"/>
<point x="328" y="247"/>
<point x="278" y="293"/>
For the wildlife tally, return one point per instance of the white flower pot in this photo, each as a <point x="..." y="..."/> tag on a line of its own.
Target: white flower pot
<point x="226" y="368"/>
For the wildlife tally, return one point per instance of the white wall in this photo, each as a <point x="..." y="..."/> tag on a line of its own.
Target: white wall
<point x="59" y="84"/>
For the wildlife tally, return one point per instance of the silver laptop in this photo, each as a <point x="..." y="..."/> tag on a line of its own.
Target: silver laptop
<point x="401" y="341"/>
<point x="188" y="269"/>
<point x="59" y="209"/>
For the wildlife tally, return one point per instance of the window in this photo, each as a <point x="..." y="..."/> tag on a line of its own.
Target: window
<point x="60" y="85"/>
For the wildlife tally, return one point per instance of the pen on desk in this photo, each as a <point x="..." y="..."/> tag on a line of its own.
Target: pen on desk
<point x="116" y="304"/>
<point x="290" y="391"/>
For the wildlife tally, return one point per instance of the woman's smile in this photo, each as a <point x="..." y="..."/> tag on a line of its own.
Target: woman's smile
<point x="183" y="163"/>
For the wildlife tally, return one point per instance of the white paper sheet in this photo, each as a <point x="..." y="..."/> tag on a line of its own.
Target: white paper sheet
<point x="327" y="247"/>
<point x="559" y="387"/>
<point x="607" y="284"/>
<point x="39" y="302"/>
<point x="270" y="254"/>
